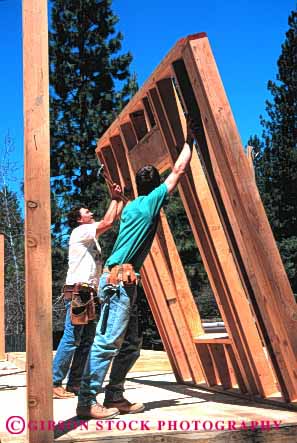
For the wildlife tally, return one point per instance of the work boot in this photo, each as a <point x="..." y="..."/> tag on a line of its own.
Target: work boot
<point x="96" y="411"/>
<point x="72" y="388"/>
<point x="60" y="392"/>
<point x="124" y="406"/>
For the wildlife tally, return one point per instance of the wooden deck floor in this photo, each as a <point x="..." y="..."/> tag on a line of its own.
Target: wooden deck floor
<point x="174" y="413"/>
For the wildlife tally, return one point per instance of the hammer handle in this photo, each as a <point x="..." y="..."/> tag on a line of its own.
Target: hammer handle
<point x="110" y="182"/>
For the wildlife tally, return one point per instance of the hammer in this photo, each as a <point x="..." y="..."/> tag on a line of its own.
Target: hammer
<point x="102" y="173"/>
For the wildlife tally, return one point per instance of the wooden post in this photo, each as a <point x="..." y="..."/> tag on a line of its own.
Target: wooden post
<point x="2" y="315"/>
<point x="37" y="219"/>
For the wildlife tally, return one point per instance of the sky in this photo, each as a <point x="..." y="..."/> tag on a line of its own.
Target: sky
<point x="245" y="36"/>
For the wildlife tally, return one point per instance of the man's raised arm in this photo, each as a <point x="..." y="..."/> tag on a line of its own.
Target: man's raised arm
<point x="113" y="212"/>
<point x="183" y="159"/>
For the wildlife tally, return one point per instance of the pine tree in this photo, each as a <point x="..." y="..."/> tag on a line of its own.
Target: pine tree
<point x="89" y="85"/>
<point x="276" y="167"/>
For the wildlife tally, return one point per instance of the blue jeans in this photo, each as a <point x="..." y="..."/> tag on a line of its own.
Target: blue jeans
<point x="74" y="347"/>
<point x="118" y="338"/>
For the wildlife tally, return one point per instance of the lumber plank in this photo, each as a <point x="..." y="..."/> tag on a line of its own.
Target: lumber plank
<point x="162" y="318"/>
<point x="38" y="292"/>
<point x="232" y="372"/>
<point x="152" y="285"/>
<point x="254" y="239"/>
<point x="213" y="337"/>
<point x="181" y="340"/>
<point x="208" y="366"/>
<point x="179" y="297"/>
<point x="185" y="297"/>
<point x="232" y="232"/>
<point x="161" y="71"/>
<point x="150" y="150"/>
<point x="243" y="326"/>
<point x="208" y="250"/>
<point x="217" y="352"/>
<point x="237" y="372"/>
<point x="184" y="356"/>
<point x="120" y="155"/>
<point x="110" y="164"/>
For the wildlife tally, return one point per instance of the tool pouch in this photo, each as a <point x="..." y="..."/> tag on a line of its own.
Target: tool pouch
<point x="83" y="308"/>
<point x="124" y="274"/>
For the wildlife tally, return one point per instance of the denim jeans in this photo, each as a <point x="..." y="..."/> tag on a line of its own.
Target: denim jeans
<point x="117" y="338"/>
<point x="74" y="347"/>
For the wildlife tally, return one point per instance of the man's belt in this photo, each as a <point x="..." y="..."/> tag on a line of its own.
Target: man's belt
<point x="83" y="302"/>
<point x="68" y="290"/>
<point x="118" y="274"/>
<point x="122" y="274"/>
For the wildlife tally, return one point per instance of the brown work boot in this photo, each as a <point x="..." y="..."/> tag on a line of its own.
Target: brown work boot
<point x="124" y="406"/>
<point x="72" y="388"/>
<point x="96" y="411"/>
<point x="60" y="392"/>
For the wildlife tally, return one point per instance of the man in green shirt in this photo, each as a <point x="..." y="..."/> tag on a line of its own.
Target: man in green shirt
<point x="117" y="335"/>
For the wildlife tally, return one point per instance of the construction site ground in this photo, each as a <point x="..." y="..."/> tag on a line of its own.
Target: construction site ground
<point x="174" y="413"/>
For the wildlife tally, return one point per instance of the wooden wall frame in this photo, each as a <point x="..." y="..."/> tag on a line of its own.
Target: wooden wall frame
<point x="257" y="356"/>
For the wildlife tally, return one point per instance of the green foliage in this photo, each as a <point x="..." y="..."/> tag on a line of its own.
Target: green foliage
<point x="288" y="251"/>
<point x="276" y="166"/>
<point x="89" y="85"/>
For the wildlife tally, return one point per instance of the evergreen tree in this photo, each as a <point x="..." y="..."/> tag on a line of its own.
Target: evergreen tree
<point x="89" y="85"/>
<point x="276" y="166"/>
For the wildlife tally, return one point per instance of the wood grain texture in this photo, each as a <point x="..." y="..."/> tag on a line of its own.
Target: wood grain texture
<point x="229" y="225"/>
<point x="37" y="218"/>
<point x="270" y="294"/>
<point x="210" y="237"/>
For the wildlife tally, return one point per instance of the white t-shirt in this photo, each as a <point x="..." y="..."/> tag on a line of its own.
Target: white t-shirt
<point x="84" y="259"/>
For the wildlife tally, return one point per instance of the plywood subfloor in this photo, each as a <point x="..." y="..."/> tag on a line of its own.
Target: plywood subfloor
<point x="171" y="408"/>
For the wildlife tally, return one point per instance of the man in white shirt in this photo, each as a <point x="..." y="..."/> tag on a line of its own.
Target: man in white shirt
<point x="84" y="266"/>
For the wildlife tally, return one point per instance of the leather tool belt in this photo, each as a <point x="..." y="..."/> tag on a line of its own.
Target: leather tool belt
<point x="122" y="274"/>
<point x="84" y="301"/>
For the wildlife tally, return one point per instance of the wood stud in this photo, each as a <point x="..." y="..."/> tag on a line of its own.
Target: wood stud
<point x="38" y="289"/>
<point x="228" y="223"/>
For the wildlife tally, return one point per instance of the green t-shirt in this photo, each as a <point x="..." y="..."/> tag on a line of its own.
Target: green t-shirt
<point x="137" y="228"/>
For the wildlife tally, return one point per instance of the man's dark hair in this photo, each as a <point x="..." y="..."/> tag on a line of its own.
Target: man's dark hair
<point x="147" y="179"/>
<point x="73" y="217"/>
